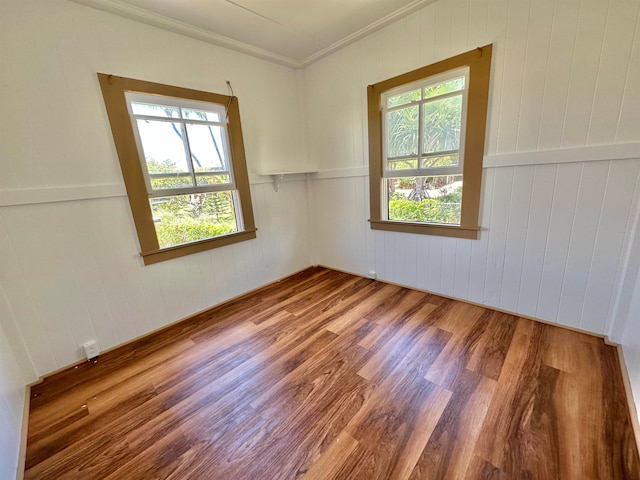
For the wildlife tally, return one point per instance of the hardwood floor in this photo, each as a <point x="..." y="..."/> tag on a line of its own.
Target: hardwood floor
<point x="326" y="375"/>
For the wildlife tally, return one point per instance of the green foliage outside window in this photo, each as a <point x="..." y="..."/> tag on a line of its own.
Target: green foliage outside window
<point x="444" y="209"/>
<point x="187" y="218"/>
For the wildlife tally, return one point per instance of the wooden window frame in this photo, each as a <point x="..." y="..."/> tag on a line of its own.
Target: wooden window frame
<point x="479" y="63"/>
<point x="113" y="92"/>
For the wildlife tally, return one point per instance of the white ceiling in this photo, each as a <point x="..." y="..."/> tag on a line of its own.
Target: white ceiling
<point x="292" y="32"/>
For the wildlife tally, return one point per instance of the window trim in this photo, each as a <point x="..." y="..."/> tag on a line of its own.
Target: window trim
<point x="479" y="63"/>
<point x="113" y="90"/>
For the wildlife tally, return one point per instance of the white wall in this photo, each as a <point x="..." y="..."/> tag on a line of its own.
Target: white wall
<point x="12" y="391"/>
<point x="69" y="264"/>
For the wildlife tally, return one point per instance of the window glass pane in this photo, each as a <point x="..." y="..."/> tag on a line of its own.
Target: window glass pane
<point x="402" y="132"/>
<point x="201" y="115"/>
<point x="436" y="199"/>
<point x="403" y="98"/>
<point x="444" y="87"/>
<point x="154" y="110"/>
<point x="164" y="153"/>
<point x="441" y="124"/>
<point x="188" y="218"/>
<point x="208" y="149"/>
<point x="440" y="161"/>
<point x="207" y="179"/>
<point x="409" y="163"/>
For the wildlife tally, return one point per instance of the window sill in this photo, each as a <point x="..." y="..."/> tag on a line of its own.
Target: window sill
<point x="426" y="229"/>
<point x="155" y="256"/>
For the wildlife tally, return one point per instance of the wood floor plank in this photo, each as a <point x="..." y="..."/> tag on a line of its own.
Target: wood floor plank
<point x="454" y="358"/>
<point x="396" y="348"/>
<point x="507" y="415"/>
<point x="489" y="354"/>
<point x="450" y="449"/>
<point x="326" y="375"/>
<point x="333" y="458"/>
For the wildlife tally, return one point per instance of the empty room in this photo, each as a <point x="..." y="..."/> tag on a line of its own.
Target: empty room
<point x="296" y="239"/>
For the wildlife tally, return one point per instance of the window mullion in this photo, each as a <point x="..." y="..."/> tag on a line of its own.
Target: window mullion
<point x="420" y="130"/>
<point x="187" y="149"/>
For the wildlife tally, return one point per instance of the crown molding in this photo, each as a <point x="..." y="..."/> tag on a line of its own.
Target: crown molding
<point x="131" y="12"/>
<point x="145" y="16"/>
<point x="363" y="32"/>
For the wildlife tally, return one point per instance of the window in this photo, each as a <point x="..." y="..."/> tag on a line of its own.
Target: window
<point x="426" y="144"/>
<point x="182" y="159"/>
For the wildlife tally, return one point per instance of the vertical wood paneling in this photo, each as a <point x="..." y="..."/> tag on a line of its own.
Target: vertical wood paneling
<point x="49" y="306"/>
<point x="448" y="268"/>
<point x="512" y="82"/>
<point x="423" y="246"/>
<point x="496" y="32"/>
<point x="436" y="264"/>
<point x="18" y="293"/>
<point x="93" y="297"/>
<point x="477" y="23"/>
<point x="584" y="71"/>
<point x="128" y="272"/>
<point x="630" y="110"/>
<point x="558" y="71"/>
<point x="460" y="25"/>
<point x="427" y="35"/>
<point x="535" y="65"/>
<point x="167" y="289"/>
<point x="395" y="253"/>
<point x="616" y="53"/>
<point x="462" y="268"/>
<point x="560" y="225"/>
<point x="110" y="278"/>
<point x="497" y="234"/>
<point x="443" y="37"/>
<point x="521" y="198"/>
<point x="585" y="225"/>
<point x="542" y="194"/>
<point x="479" y="249"/>
<point x="618" y="199"/>
<point x="378" y="236"/>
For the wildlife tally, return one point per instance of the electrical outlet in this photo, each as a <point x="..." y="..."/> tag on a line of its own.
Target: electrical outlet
<point x="91" y="350"/>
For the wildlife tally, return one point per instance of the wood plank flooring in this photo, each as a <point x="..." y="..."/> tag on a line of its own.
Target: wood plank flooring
<point x="326" y="375"/>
